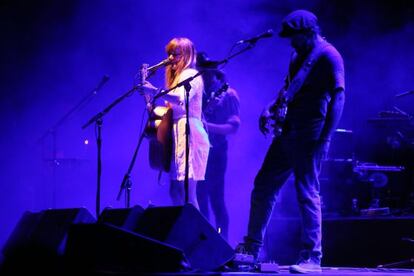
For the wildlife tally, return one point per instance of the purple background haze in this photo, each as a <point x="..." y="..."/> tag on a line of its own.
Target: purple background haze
<point x="53" y="53"/>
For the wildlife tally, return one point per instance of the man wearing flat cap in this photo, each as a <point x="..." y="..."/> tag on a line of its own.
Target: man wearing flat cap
<point x="305" y="114"/>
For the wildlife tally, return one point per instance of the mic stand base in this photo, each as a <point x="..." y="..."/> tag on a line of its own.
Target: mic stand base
<point x="126" y="182"/>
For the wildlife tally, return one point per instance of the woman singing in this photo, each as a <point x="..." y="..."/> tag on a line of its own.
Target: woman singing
<point x="182" y="56"/>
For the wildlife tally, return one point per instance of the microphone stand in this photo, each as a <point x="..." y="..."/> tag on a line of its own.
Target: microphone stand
<point x="98" y="119"/>
<point x="187" y="86"/>
<point x="250" y="45"/>
<point x="404" y="94"/>
<point x="126" y="181"/>
<point x="53" y="131"/>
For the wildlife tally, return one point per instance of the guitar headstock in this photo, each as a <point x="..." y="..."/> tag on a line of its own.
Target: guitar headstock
<point x="222" y="89"/>
<point x="143" y="73"/>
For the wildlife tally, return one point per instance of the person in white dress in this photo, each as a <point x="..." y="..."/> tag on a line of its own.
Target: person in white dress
<point x="182" y="56"/>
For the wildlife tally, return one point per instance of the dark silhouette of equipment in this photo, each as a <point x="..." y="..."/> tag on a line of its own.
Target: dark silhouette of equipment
<point x="125" y="218"/>
<point x="106" y="248"/>
<point x="185" y="228"/>
<point x="38" y="242"/>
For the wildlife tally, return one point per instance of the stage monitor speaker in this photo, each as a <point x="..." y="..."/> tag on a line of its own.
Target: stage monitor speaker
<point x="109" y="249"/>
<point x="185" y="228"/>
<point x="125" y="218"/>
<point x="39" y="238"/>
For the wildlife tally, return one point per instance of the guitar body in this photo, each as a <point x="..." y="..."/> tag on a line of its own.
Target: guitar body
<point x="278" y="113"/>
<point x="159" y="132"/>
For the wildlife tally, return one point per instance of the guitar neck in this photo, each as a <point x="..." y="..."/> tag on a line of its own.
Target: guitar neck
<point x="212" y="101"/>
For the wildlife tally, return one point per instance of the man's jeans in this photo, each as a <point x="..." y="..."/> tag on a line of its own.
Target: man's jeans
<point x="286" y="156"/>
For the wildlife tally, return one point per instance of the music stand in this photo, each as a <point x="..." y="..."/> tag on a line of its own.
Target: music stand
<point x="53" y="130"/>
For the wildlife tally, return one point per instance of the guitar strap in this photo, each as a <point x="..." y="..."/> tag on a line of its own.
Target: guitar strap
<point x="302" y="74"/>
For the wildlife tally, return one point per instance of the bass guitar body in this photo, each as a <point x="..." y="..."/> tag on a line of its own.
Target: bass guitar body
<point x="278" y="113"/>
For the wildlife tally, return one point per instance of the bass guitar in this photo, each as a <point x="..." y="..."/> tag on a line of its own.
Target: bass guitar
<point x="278" y="113"/>
<point x="286" y="94"/>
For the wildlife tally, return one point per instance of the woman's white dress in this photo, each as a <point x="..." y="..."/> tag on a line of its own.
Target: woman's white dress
<point x="199" y="143"/>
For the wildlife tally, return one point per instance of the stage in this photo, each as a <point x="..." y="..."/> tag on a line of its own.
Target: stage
<point x="78" y="197"/>
<point x="180" y="241"/>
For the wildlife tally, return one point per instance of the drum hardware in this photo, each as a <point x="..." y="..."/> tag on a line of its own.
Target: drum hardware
<point x="376" y="176"/>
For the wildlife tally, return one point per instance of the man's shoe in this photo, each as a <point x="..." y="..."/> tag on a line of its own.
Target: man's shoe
<point x="245" y="257"/>
<point x="306" y="266"/>
<point x="247" y="250"/>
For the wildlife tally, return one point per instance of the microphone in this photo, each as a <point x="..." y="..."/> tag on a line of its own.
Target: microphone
<point x="104" y="79"/>
<point x="405" y="94"/>
<point x="268" y="33"/>
<point x="165" y="62"/>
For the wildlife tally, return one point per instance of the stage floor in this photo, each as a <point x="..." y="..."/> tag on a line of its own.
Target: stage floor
<point x="282" y="270"/>
<point x="326" y="271"/>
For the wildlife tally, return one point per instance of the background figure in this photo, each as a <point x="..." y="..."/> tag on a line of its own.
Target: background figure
<point x="182" y="54"/>
<point x="316" y="70"/>
<point x="221" y="115"/>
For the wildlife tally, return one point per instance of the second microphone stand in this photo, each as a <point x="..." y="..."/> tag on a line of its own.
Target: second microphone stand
<point x="126" y="181"/>
<point x="98" y="119"/>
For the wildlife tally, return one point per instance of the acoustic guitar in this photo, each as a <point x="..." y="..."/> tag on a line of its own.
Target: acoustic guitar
<point x="158" y="130"/>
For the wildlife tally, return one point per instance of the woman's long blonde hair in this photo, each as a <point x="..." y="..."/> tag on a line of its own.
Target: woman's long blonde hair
<point x="187" y="60"/>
